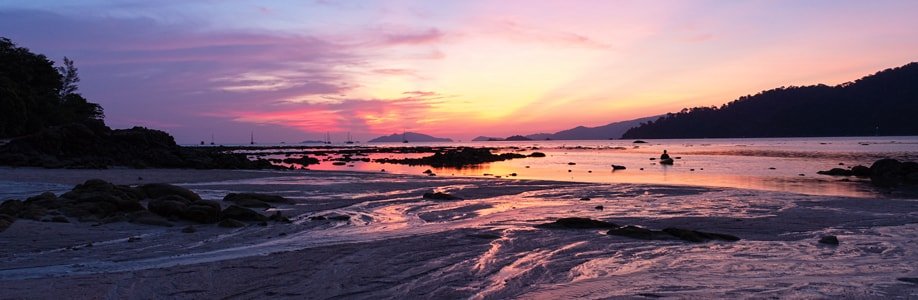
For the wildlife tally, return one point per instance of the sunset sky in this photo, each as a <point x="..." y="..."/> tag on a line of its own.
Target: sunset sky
<point x="293" y="70"/>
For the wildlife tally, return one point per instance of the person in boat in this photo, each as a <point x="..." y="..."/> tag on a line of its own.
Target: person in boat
<point x="665" y="155"/>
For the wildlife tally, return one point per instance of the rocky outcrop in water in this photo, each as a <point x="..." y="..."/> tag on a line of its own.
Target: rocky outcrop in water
<point x="636" y="232"/>
<point x="890" y="173"/>
<point x="454" y="158"/>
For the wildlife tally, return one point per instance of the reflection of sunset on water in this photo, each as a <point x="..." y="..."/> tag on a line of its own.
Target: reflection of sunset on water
<point x="760" y="164"/>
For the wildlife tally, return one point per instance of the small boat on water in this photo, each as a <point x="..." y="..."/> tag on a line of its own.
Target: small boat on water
<point x="666" y="161"/>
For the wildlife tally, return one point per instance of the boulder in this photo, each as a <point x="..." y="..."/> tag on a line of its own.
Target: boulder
<point x="11" y="207"/>
<point x="6" y="221"/>
<point x="33" y="212"/>
<point x="157" y="190"/>
<point x="440" y="196"/>
<point x="280" y="218"/>
<point x="886" y="172"/>
<point x="537" y="154"/>
<point x="860" y="171"/>
<point x="836" y="172"/>
<point x="46" y="200"/>
<point x="639" y="233"/>
<point x="97" y="187"/>
<point x="169" y="206"/>
<point x="337" y="217"/>
<point x="189" y="229"/>
<point x="204" y="211"/>
<point x="578" y="223"/>
<point x="231" y="223"/>
<point x="829" y="240"/>
<point x="242" y="214"/>
<point x="698" y="236"/>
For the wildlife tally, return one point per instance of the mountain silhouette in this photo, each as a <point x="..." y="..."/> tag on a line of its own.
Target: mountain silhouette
<point x="409" y="136"/>
<point x="885" y="103"/>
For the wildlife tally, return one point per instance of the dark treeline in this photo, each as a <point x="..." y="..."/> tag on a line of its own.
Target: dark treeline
<point x="34" y="94"/>
<point x="885" y="103"/>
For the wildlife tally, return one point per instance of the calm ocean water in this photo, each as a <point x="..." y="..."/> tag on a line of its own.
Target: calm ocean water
<point x="774" y="164"/>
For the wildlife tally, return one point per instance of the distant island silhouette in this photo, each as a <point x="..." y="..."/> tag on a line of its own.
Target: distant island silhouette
<point x="408" y="136"/>
<point x="885" y="103"/>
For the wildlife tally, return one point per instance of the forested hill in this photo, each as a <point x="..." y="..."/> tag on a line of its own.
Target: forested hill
<point x="885" y="103"/>
<point x="35" y="95"/>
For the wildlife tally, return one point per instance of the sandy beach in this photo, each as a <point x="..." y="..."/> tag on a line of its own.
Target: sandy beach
<point x="396" y="244"/>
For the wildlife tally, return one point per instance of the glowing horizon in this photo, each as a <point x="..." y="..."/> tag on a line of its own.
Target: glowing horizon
<point x="293" y="71"/>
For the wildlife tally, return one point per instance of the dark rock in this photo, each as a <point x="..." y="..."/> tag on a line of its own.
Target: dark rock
<point x="169" y="206"/>
<point x="599" y="207"/>
<point x="639" y="233"/>
<point x="158" y="190"/>
<point x="317" y="218"/>
<point x="189" y="229"/>
<point x="829" y="240"/>
<point x="33" y="212"/>
<point x="251" y="203"/>
<point x="204" y="211"/>
<point x="133" y="239"/>
<point x="836" y="172"/>
<point x="454" y="158"/>
<point x="618" y="167"/>
<point x="440" y="196"/>
<point x="46" y="200"/>
<point x="231" y="223"/>
<point x="585" y="199"/>
<point x="278" y="217"/>
<point x="59" y="219"/>
<point x="428" y="171"/>
<point x="305" y="160"/>
<point x="243" y="214"/>
<point x="639" y="142"/>
<point x="11" y="207"/>
<point x="264" y="198"/>
<point x="6" y="221"/>
<point x="698" y="236"/>
<point x="913" y="280"/>
<point x="537" y="154"/>
<point x="860" y="171"/>
<point x="336" y="217"/>
<point x="578" y="223"/>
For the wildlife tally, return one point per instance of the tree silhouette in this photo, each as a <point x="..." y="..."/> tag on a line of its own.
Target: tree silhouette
<point x="69" y="78"/>
<point x="35" y="95"/>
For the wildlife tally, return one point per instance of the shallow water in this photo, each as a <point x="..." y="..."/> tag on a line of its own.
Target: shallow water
<point x="780" y="164"/>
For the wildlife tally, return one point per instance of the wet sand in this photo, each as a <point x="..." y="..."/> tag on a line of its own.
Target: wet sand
<point x="399" y="245"/>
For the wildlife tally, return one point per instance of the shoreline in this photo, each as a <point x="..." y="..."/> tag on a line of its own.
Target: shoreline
<point x="397" y="244"/>
<point x="130" y="176"/>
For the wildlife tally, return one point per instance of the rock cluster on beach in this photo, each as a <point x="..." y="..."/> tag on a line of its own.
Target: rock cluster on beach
<point x="454" y="158"/>
<point x="90" y="145"/>
<point x="102" y="202"/>
<point x="886" y="172"/>
<point x="636" y="232"/>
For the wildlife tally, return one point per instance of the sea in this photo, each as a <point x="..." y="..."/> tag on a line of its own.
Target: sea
<point x="768" y="164"/>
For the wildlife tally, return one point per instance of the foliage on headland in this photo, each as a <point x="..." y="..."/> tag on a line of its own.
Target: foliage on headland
<point x="53" y="126"/>
<point x="885" y="103"/>
<point x="34" y="94"/>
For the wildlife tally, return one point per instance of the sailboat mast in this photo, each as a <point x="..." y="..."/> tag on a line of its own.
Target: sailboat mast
<point x="252" y="140"/>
